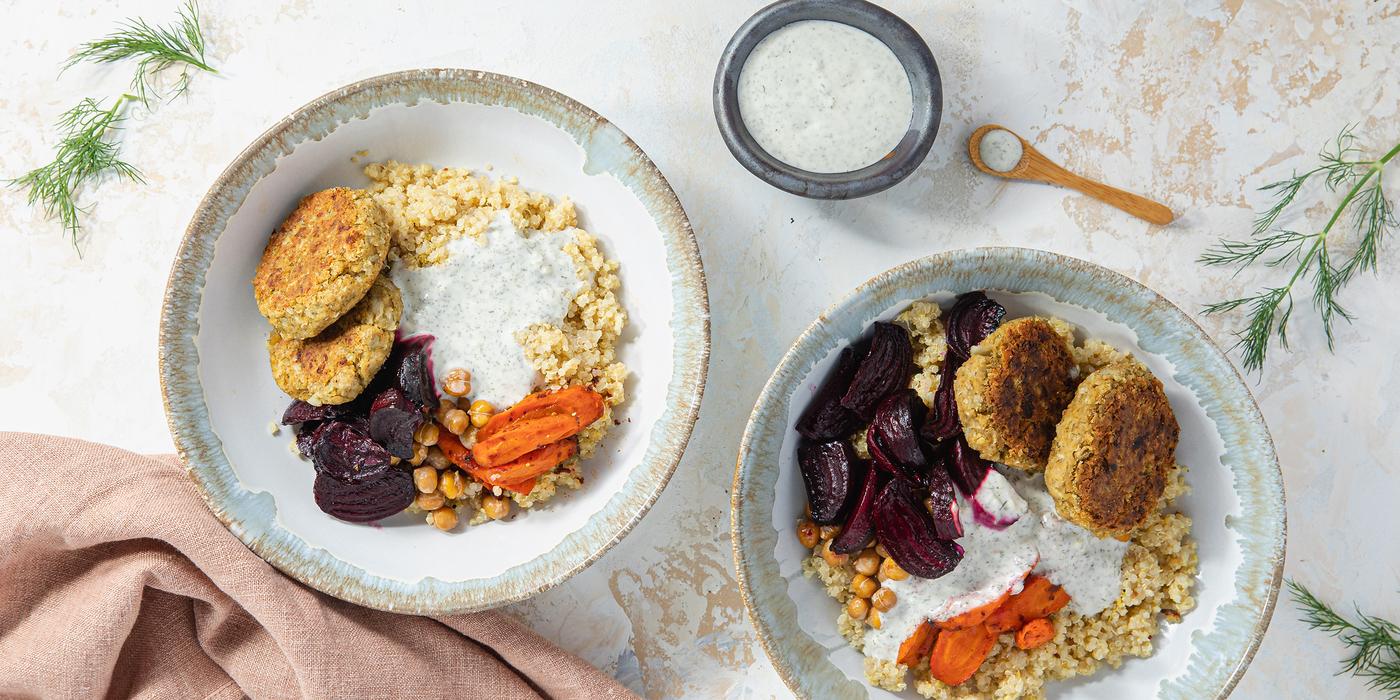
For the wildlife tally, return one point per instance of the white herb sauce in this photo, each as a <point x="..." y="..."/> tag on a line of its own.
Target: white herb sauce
<point x="476" y="300"/>
<point x="1089" y="569"/>
<point x="1000" y="150"/>
<point x="825" y="97"/>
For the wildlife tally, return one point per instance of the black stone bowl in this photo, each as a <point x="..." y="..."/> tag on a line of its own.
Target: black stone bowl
<point x="907" y="46"/>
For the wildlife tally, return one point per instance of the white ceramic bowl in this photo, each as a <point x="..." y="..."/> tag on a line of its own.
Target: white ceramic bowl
<point x="1236" y="503"/>
<point x="220" y="396"/>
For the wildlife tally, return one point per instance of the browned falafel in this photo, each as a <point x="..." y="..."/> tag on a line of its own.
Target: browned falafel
<point x="320" y="261"/>
<point x="337" y="364"/>
<point x="1012" y="391"/>
<point x="1113" y="450"/>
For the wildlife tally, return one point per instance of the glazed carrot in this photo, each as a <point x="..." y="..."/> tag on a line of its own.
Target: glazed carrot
<point x="918" y="644"/>
<point x="958" y="654"/>
<point x="531" y="464"/>
<point x="454" y="449"/>
<point x="1036" y="600"/>
<point x="1035" y="633"/>
<point x="584" y="403"/>
<point x="973" y="617"/>
<point x="522" y="436"/>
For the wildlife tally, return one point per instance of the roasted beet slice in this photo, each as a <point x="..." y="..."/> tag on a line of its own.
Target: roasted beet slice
<point x="966" y="467"/>
<point x="895" y="428"/>
<point x="413" y="370"/>
<point x="348" y="454"/>
<point x="910" y="535"/>
<point x="308" y="435"/>
<point x="885" y="369"/>
<point x="389" y="493"/>
<point x="825" y="418"/>
<point x="861" y="525"/>
<point x="943" y="421"/>
<point x="393" y="420"/>
<point x="832" y="473"/>
<point x="972" y="319"/>
<point x="943" y="503"/>
<point x="301" y="412"/>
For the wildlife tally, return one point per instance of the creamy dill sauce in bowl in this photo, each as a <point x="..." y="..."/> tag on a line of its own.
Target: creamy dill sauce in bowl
<point x="825" y="97"/>
<point x="474" y="302"/>
<point x="997" y="558"/>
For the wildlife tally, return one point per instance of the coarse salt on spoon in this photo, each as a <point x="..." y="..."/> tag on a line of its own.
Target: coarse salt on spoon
<point x="1034" y="166"/>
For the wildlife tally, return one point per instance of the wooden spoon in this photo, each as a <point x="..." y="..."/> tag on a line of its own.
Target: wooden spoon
<point x="1034" y="166"/>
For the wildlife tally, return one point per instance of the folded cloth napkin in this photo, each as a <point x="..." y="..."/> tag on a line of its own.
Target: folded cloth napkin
<point x="116" y="581"/>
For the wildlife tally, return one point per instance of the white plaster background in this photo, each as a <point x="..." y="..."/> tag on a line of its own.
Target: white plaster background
<point x="1196" y="103"/>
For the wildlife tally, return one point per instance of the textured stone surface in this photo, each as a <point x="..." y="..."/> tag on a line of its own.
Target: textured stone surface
<point x="1196" y="104"/>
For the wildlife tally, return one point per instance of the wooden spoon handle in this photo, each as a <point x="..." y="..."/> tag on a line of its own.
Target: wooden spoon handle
<point x="1141" y="207"/>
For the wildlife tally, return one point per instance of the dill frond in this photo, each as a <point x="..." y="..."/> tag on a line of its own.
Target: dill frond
<point x="1372" y="218"/>
<point x="154" y="48"/>
<point x="86" y="149"/>
<point x="1373" y="641"/>
<point x="83" y="153"/>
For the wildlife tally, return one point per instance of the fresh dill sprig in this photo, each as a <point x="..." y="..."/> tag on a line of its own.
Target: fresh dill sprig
<point x="1372" y="218"/>
<point x="82" y="155"/>
<point x="1374" y="642"/>
<point x="85" y="150"/>
<point x="155" y="48"/>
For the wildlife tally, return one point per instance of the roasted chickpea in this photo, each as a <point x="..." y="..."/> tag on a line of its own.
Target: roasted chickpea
<point x="427" y="433"/>
<point x="426" y="479"/>
<point x="457" y="382"/>
<point x="444" y="405"/>
<point x="452" y="484"/>
<point x="874" y="619"/>
<point x="857" y="608"/>
<point x="830" y="531"/>
<point x="880" y="550"/>
<point x="832" y="558"/>
<point x="481" y="412"/>
<point x="807" y="534"/>
<point x="868" y="562"/>
<point x="892" y="571"/>
<point x="864" y="586"/>
<point x="437" y="459"/>
<point x="495" y="508"/>
<point x="430" y="501"/>
<point x="456" y="421"/>
<point x="444" y="518"/>
<point x="884" y="599"/>
<point x="420" y="453"/>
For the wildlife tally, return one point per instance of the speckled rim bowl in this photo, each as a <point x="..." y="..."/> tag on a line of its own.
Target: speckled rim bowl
<point x="1216" y="655"/>
<point x="680" y="323"/>
<point x="907" y="46"/>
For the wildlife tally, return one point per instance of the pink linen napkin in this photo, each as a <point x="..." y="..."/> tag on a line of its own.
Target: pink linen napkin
<point x="117" y="581"/>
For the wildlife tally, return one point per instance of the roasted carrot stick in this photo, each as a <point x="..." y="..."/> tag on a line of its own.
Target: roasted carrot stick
<point x="454" y="449"/>
<point x="1035" y="633"/>
<point x="523" y="436"/>
<point x="918" y="643"/>
<point x="582" y="402"/>
<point x="1036" y="600"/>
<point x="531" y="464"/>
<point x="973" y="617"/>
<point x="958" y="654"/>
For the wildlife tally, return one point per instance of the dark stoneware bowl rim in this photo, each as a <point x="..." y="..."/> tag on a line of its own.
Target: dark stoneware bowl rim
<point x="908" y="47"/>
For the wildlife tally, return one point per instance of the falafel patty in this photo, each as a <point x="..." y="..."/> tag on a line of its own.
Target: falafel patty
<point x="1012" y="391"/>
<point x="321" y="260"/>
<point x="336" y="365"/>
<point x="1113" y="450"/>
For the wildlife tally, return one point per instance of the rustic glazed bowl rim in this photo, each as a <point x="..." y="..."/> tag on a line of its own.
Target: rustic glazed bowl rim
<point x="903" y="40"/>
<point x="607" y="149"/>
<point x="751" y="503"/>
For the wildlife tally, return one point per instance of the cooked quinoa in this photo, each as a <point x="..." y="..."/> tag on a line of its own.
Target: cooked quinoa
<point x="1159" y="569"/>
<point x="427" y="207"/>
